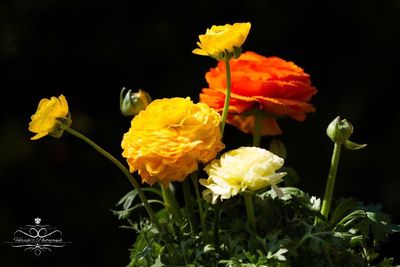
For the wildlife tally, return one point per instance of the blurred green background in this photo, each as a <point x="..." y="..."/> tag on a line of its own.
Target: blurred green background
<point x="89" y="50"/>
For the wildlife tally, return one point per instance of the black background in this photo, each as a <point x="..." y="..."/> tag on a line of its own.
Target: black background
<point x="89" y="50"/>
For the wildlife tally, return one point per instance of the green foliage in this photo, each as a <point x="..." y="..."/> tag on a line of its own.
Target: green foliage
<point x="290" y="232"/>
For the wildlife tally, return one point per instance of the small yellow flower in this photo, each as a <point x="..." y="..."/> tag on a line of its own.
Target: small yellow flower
<point x="245" y="168"/>
<point x="168" y="139"/>
<point x="219" y="40"/>
<point x="50" y="118"/>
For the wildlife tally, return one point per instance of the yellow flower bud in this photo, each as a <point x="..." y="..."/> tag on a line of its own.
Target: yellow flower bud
<point x="132" y="103"/>
<point x="51" y="118"/>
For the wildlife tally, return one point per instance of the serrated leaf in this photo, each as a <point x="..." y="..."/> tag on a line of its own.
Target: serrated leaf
<point x="287" y="193"/>
<point x="315" y="203"/>
<point x="123" y="214"/>
<point x="158" y="262"/>
<point x="387" y="262"/>
<point x="380" y="225"/>
<point x="208" y="248"/>
<point x="357" y="240"/>
<point x="129" y="199"/>
<point x="279" y="254"/>
<point x="130" y="194"/>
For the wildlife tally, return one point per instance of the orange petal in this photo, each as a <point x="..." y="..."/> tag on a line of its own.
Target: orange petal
<point x="247" y="86"/>
<point x="285" y="107"/>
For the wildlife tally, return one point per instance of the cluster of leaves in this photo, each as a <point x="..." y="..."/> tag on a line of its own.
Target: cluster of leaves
<point x="290" y="232"/>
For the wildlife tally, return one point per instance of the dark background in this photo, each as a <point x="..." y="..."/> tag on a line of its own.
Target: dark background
<point x="89" y="50"/>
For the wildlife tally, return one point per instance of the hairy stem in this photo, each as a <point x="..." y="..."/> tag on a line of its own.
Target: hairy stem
<point x="330" y="183"/>
<point x="228" y="94"/>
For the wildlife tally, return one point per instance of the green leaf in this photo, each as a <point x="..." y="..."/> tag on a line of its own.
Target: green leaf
<point x="278" y="255"/>
<point x="127" y="199"/>
<point x="387" y="262"/>
<point x="145" y="250"/>
<point x="288" y="192"/>
<point x="351" y="217"/>
<point x="344" y="207"/>
<point x="356" y="240"/>
<point x="208" y="248"/>
<point x="158" y="263"/>
<point x="353" y="146"/>
<point x="124" y="214"/>
<point x="380" y="226"/>
<point x="315" y="203"/>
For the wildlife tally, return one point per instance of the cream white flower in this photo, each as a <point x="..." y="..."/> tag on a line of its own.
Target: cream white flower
<point x="245" y="168"/>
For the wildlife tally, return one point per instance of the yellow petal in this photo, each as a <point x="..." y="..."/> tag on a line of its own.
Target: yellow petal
<point x="64" y="105"/>
<point x="39" y="135"/>
<point x="200" y="52"/>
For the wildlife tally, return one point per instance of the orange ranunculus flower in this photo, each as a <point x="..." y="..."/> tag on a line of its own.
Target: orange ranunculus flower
<point x="271" y="84"/>
<point x="168" y="139"/>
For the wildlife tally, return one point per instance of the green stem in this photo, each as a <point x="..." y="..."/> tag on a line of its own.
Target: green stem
<point x="189" y="205"/>
<point x="257" y="129"/>
<point x="228" y="94"/>
<point x="124" y="171"/>
<point x="251" y="219"/>
<point x="171" y="204"/>
<point x="330" y="183"/>
<point x="200" y="206"/>
<point x="217" y="210"/>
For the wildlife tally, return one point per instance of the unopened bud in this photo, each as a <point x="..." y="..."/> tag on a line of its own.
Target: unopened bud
<point x="339" y="130"/>
<point x="132" y="103"/>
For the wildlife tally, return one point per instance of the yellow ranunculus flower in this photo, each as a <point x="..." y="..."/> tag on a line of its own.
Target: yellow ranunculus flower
<point x="245" y="168"/>
<point x="221" y="39"/>
<point x="168" y="139"/>
<point x="50" y="118"/>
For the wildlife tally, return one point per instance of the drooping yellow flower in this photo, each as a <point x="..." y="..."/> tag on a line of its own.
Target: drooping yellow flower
<point x="50" y="118"/>
<point x="245" y="168"/>
<point x="168" y="139"/>
<point x="222" y="39"/>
